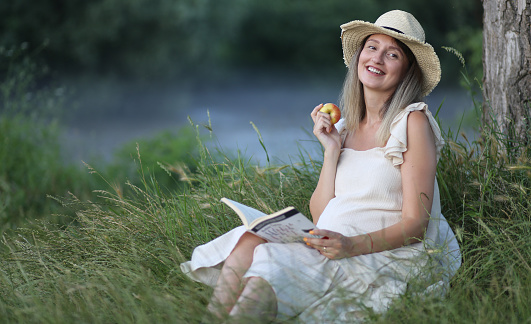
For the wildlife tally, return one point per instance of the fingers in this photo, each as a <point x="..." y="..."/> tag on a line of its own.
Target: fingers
<point x="332" y="245"/>
<point x="319" y="244"/>
<point x="315" y="111"/>
<point x="328" y="251"/>
<point x="316" y="114"/>
<point x="324" y="130"/>
<point x="322" y="121"/>
<point x="325" y="233"/>
<point x="327" y="244"/>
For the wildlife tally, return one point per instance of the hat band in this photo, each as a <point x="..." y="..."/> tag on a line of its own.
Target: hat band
<point x="393" y="29"/>
<point x="396" y="30"/>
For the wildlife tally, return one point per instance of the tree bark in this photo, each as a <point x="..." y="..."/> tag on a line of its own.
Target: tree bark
<point x="507" y="66"/>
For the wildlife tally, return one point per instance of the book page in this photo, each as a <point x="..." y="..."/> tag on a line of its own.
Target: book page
<point x="246" y="213"/>
<point x="285" y="228"/>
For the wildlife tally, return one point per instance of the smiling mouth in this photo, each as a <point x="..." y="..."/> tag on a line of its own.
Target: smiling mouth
<point x="375" y="70"/>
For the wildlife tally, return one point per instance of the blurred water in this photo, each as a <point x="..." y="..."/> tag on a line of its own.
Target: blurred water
<point x="278" y="106"/>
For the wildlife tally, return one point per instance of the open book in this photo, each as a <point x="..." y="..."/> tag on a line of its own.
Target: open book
<point x="285" y="226"/>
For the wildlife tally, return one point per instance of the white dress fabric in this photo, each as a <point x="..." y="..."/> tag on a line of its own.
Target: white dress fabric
<point x="368" y="198"/>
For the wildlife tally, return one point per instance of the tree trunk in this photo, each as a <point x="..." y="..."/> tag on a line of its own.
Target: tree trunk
<point x="507" y="66"/>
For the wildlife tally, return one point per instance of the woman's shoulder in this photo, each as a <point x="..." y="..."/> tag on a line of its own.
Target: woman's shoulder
<point x="417" y="120"/>
<point x="413" y="121"/>
<point x="419" y="128"/>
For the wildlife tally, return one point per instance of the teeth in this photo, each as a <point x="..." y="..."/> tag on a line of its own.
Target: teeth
<point x="374" y="70"/>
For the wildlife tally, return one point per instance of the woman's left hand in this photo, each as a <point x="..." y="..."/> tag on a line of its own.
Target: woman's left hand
<point x="332" y="245"/>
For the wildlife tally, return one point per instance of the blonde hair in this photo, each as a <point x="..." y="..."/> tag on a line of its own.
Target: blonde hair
<point x="352" y="101"/>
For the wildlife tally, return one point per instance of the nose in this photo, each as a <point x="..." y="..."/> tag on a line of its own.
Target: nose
<point x="377" y="57"/>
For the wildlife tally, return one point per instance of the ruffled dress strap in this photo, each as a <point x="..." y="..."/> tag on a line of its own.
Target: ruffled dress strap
<point x="342" y="130"/>
<point x="397" y="143"/>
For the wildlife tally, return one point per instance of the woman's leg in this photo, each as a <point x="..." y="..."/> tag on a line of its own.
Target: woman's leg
<point x="229" y="286"/>
<point x="257" y="301"/>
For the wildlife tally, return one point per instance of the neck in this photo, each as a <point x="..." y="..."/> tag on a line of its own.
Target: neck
<point x="373" y="105"/>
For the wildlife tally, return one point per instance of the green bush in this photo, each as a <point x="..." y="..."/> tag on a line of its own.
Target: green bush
<point x="33" y="165"/>
<point x="166" y="38"/>
<point x="31" y="160"/>
<point x="141" y="38"/>
<point x="164" y="156"/>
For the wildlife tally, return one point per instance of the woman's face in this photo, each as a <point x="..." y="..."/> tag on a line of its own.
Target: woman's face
<point x="382" y="64"/>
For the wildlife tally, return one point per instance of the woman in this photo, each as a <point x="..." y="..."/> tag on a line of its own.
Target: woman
<point x="376" y="205"/>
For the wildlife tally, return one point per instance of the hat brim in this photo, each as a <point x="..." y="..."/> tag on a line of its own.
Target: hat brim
<point x="354" y="33"/>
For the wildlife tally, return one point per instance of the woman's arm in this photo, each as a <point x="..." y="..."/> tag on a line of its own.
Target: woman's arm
<point x="330" y="139"/>
<point x="325" y="189"/>
<point x="418" y="179"/>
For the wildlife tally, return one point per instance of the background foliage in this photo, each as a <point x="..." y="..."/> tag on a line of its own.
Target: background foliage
<point x="34" y="165"/>
<point x="167" y="38"/>
<point x="30" y="152"/>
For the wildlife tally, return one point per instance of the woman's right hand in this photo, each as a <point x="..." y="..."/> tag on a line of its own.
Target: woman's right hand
<point x="324" y="130"/>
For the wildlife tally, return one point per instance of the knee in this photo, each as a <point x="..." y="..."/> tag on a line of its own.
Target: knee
<point x="246" y="245"/>
<point x="250" y="240"/>
<point x="242" y="254"/>
<point x="258" y="287"/>
<point x="254" y="282"/>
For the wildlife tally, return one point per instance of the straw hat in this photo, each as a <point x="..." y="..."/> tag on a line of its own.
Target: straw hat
<point x="402" y="26"/>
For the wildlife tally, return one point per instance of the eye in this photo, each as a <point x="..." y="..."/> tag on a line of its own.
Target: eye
<point x="371" y="47"/>
<point x="393" y="55"/>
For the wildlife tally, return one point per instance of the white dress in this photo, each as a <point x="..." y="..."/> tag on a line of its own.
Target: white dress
<point x="368" y="198"/>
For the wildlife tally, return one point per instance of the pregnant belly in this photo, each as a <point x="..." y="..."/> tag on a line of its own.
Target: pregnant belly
<point x="356" y="219"/>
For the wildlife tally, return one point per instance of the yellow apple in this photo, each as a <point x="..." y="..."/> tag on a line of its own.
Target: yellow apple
<point x="333" y="111"/>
